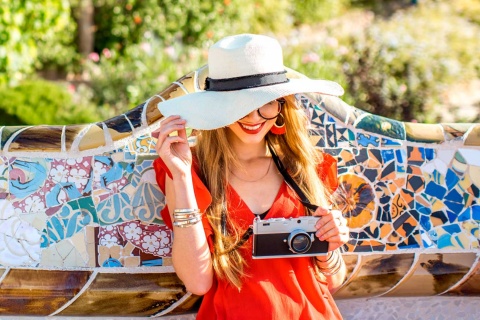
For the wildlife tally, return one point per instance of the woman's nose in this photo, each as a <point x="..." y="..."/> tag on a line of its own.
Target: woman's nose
<point x="254" y="114"/>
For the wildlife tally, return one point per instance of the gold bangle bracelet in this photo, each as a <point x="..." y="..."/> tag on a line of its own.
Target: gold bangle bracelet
<point x="328" y="259"/>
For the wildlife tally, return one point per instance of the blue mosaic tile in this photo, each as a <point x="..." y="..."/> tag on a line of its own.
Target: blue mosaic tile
<point x="388" y="142"/>
<point x="425" y="222"/>
<point x="451" y="179"/>
<point x="452" y="228"/>
<point x="476" y="212"/>
<point x="435" y="190"/>
<point x="454" y="196"/>
<point x="367" y="140"/>
<point x="426" y="241"/>
<point x="429" y="153"/>
<point x="444" y="241"/>
<point x="422" y="209"/>
<point x="388" y="155"/>
<point x="465" y="215"/>
<point x="452" y="216"/>
<point x="401" y="155"/>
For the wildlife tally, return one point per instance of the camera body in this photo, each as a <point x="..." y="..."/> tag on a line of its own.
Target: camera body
<point x="286" y="238"/>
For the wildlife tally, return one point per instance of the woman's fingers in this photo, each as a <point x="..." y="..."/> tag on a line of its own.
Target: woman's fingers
<point x="332" y="227"/>
<point x="164" y="133"/>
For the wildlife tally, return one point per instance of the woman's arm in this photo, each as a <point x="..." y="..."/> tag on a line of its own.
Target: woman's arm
<point x="190" y="251"/>
<point x="336" y="270"/>
<point x="332" y="227"/>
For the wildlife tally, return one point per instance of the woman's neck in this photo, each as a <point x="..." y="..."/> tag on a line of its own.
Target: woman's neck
<point x="247" y="152"/>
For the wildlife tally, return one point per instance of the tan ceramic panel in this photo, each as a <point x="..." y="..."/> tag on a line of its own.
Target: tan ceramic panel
<point x="172" y="91"/>
<point x="202" y="74"/>
<point x="151" y="110"/>
<point x="191" y="304"/>
<point x="38" y="138"/>
<point x="455" y="130"/>
<point x="424" y="132"/>
<point x="93" y="138"/>
<point x="470" y="286"/>
<point x="7" y="133"/>
<point x="336" y="107"/>
<point x="376" y="274"/>
<point x="121" y="294"/>
<point x="71" y="133"/>
<point x="39" y="292"/>
<point x="473" y="138"/>
<point x="118" y="135"/>
<point x="351" y="261"/>
<point x="434" y="274"/>
<point x="188" y="82"/>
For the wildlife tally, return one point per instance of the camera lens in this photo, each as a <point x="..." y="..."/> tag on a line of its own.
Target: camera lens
<point x="299" y="241"/>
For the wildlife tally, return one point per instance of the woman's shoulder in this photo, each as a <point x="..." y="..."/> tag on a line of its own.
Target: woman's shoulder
<point x="327" y="170"/>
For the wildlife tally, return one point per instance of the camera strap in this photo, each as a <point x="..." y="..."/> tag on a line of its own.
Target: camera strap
<point x="289" y="180"/>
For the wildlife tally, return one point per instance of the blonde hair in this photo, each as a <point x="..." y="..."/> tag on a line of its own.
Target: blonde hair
<point x="215" y="156"/>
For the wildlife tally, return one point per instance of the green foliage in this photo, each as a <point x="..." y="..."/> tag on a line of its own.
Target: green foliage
<point x="393" y="59"/>
<point x="121" y="23"/>
<point x="121" y="82"/>
<point x="468" y="8"/>
<point x="315" y="11"/>
<point x="41" y="102"/>
<point x="318" y="61"/>
<point x="24" y="25"/>
<point x="396" y="71"/>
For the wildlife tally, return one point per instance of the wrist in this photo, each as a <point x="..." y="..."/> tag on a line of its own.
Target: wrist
<point x="332" y="265"/>
<point x="326" y="258"/>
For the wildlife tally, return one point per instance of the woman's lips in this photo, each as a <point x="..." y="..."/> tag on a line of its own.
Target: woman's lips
<point x="252" y="128"/>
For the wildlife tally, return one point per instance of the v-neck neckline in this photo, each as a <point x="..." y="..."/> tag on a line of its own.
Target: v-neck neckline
<point x="279" y="193"/>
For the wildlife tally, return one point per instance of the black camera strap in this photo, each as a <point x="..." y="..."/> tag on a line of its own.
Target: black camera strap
<point x="289" y="180"/>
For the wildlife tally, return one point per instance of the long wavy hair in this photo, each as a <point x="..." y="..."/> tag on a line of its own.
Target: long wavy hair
<point x="215" y="156"/>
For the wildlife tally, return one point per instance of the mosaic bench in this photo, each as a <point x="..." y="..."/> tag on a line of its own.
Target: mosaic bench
<point x="81" y="234"/>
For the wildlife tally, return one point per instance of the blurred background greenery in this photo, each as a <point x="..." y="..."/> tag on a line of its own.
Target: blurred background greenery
<point x="77" y="61"/>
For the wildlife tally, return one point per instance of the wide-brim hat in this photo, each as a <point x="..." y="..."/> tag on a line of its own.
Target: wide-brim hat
<point x="245" y="72"/>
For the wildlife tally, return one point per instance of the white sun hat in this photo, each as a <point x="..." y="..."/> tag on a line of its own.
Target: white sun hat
<point x="245" y="72"/>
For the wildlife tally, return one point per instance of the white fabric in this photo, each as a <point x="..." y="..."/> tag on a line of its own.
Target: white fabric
<point x="238" y="56"/>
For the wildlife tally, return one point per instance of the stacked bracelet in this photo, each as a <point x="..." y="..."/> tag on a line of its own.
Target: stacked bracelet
<point x="336" y="266"/>
<point x="184" y="218"/>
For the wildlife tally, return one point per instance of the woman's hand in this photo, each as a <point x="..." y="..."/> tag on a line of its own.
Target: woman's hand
<point x="174" y="149"/>
<point x="332" y="227"/>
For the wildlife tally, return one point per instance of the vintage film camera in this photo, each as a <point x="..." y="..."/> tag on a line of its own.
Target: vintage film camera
<point x="286" y="238"/>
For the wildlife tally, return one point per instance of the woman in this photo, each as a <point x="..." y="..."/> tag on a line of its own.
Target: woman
<point x="214" y="191"/>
